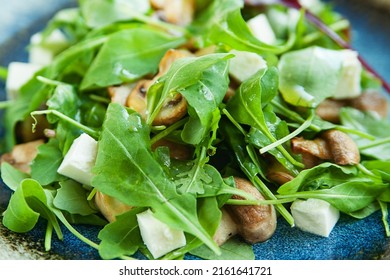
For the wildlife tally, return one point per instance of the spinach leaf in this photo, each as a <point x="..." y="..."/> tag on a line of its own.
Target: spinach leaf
<point x="127" y="170"/>
<point x="127" y="56"/>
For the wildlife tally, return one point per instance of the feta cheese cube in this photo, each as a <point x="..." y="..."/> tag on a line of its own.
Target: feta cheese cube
<point x="158" y="237"/>
<point x="245" y="64"/>
<point x="261" y="29"/>
<point x="43" y="50"/>
<point x="349" y="82"/>
<point x="80" y="159"/>
<point x="19" y="73"/>
<point x="315" y="216"/>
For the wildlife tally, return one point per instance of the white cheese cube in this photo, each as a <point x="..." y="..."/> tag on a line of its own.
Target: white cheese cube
<point x="245" y="64"/>
<point x="315" y="216"/>
<point x="19" y="73"/>
<point x="261" y="29"/>
<point x="80" y="159"/>
<point x="158" y="237"/>
<point x="42" y="50"/>
<point x="313" y="6"/>
<point x="349" y="82"/>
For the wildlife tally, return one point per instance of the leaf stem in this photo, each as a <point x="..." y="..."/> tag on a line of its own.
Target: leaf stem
<point x="90" y="131"/>
<point x="168" y="130"/>
<point x="258" y="202"/>
<point x="375" y="143"/>
<point x="48" y="236"/>
<point x="296" y="132"/>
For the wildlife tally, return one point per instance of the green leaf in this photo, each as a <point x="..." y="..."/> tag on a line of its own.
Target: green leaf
<point x="183" y="73"/>
<point x="127" y="170"/>
<point x="203" y="98"/>
<point x="325" y="174"/>
<point x="26" y="205"/>
<point x="233" y="249"/>
<point x="72" y="197"/>
<point x="121" y="237"/>
<point x="127" y="56"/>
<point x="302" y="75"/>
<point x="98" y="13"/>
<point x="45" y="165"/>
<point x="370" y="124"/>
<point x="12" y="176"/>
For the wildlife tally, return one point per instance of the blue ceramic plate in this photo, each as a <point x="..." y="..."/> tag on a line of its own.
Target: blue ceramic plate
<point x="350" y="239"/>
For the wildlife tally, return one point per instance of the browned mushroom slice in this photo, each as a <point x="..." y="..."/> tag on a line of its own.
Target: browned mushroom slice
<point x="169" y="57"/>
<point x="255" y="223"/>
<point x="344" y="150"/>
<point x="329" y="110"/>
<point x="278" y="174"/>
<point x="173" y="109"/>
<point x="371" y="101"/>
<point x="109" y="206"/>
<point x="176" y="150"/>
<point x="317" y="147"/>
<point x="332" y="145"/>
<point x="137" y="97"/>
<point x="178" y="12"/>
<point x="22" y="155"/>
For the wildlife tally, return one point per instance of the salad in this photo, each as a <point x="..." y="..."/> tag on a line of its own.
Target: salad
<point x="187" y="127"/>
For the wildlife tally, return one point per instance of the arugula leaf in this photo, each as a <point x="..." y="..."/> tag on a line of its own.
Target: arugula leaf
<point x="121" y="237"/>
<point x="246" y="107"/>
<point x="72" y="197"/>
<point x="127" y="56"/>
<point x="98" y="13"/>
<point x="26" y="205"/>
<point x="371" y="124"/>
<point x="127" y="170"/>
<point x="203" y="98"/>
<point x="45" y="165"/>
<point x="184" y="73"/>
<point x="301" y="75"/>
<point x="12" y="176"/>
<point x="233" y="249"/>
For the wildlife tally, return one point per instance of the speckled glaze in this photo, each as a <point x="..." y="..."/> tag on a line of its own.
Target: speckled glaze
<point x="351" y="239"/>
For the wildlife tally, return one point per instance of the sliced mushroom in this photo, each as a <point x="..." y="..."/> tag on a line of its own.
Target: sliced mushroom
<point x="332" y="145"/>
<point x="227" y="228"/>
<point x="136" y="100"/>
<point x="174" y="107"/>
<point x="119" y="94"/>
<point x="22" y="155"/>
<point x="176" y="150"/>
<point x="329" y="110"/>
<point x="178" y="12"/>
<point x="344" y="150"/>
<point x="317" y="147"/>
<point x="255" y="223"/>
<point x="109" y="206"/>
<point x="278" y="174"/>
<point x="372" y="101"/>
